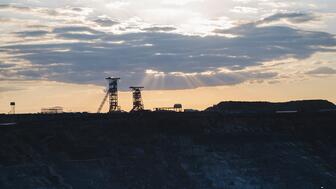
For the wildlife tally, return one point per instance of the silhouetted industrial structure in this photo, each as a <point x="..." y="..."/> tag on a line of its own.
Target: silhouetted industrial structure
<point x="12" y="105"/>
<point x="137" y="99"/>
<point x="178" y="107"/>
<point x="175" y="108"/>
<point x="112" y="94"/>
<point x="52" y="110"/>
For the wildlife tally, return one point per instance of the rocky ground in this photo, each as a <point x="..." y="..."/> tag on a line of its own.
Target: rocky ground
<point x="204" y="150"/>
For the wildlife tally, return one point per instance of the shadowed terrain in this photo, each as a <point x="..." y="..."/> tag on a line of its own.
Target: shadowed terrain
<point x="204" y="150"/>
<point x="273" y="107"/>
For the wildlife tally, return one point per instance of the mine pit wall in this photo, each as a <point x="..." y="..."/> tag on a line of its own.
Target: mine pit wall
<point x="168" y="150"/>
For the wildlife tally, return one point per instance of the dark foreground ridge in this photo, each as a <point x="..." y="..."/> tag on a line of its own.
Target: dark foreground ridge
<point x="271" y="107"/>
<point x="166" y="150"/>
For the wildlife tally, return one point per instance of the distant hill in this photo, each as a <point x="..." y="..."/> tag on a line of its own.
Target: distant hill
<point x="299" y="106"/>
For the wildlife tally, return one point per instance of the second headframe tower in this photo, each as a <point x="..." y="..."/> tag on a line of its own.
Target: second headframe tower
<point x="137" y="99"/>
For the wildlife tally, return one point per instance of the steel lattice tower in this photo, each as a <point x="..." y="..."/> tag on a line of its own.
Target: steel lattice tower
<point x="112" y="94"/>
<point x="137" y="99"/>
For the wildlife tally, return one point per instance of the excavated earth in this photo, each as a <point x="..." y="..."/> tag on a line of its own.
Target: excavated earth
<point x="204" y="150"/>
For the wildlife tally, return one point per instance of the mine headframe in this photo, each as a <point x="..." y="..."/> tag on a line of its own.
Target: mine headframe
<point x="137" y="99"/>
<point x="112" y="95"/>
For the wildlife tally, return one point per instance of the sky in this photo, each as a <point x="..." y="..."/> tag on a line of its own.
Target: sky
<point x="194" y="52"/>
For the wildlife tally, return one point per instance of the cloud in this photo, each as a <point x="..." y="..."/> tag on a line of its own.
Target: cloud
<point x="245" y="10"/>
<point x="105" y="22"/>
<point x="15" y="7"/>
<point x="8" y="89"/>
<point x="85" y="49"/>
<point x="293" y="17"/>
<point x="44" y="12"/>
<point x="3" y="66"/>
<point x="322" y="71"/>
<point x="185" y="61"/>
<point x="34" y="33"/>
<point x="26" y="9"/>
<point x="77" y="32"/>
<point x="159" y="29"/>
<point x="78" y="9"/>
<point x="73" y="29"/>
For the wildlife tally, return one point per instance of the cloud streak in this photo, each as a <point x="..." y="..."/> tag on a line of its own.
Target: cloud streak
<point x="33" y="33"/>
<point x="293" y="17"/>
<point x="322" y="71"/>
